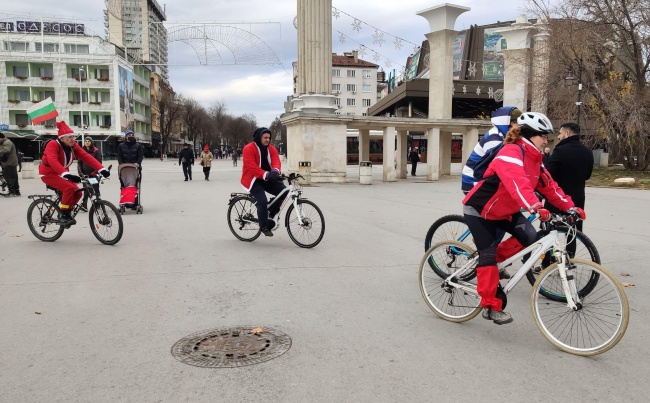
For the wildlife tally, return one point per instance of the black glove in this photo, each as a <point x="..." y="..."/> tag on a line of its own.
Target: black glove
<point x="273" y="175"/>
<point x="105" y="172"/>
<point x="72" y="178"/>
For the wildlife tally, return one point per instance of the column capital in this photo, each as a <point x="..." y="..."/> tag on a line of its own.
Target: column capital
<point x="517" y="35"/>
<point x="442" y="16"/>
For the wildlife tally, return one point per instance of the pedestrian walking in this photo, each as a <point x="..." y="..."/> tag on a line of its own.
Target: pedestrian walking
<point x="9" y="163"/>
<point x="20" y="156"/>
<point x="186" y="160"/>
<point x="206" y="161"/>
<point x="414" y="157"/>
<point x="235" y="156"/>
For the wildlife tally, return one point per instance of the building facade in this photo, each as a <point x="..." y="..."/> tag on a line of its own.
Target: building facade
<point x="137" y="26"/>
<point x="94" y="89"/>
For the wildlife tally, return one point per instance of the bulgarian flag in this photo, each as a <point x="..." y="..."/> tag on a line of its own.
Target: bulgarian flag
<point x="42" y="111"/>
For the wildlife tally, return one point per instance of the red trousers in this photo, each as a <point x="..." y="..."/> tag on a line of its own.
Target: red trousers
<point x="69" y="190"/>
<point x="487" y="283"/>
<point x="508" y="248"/>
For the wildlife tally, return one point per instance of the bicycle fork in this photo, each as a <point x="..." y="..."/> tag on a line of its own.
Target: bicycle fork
<point x="565" y="270"/>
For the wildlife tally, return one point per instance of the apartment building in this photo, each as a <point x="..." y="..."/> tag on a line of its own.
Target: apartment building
<point x="93" y="87"/>
<point x="137" y="26"/>
<point x="354" y="83"/>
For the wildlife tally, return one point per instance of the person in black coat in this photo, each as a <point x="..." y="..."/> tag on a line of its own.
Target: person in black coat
<point x="571" y="165"/>
<point x="414" y="157"/>
<point x="130" y="151"/>
<point x="186" y="159"/>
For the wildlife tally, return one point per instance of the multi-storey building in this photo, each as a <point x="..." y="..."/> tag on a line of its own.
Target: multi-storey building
<point x="93" y="87"/>
<point x="137" y="26"/>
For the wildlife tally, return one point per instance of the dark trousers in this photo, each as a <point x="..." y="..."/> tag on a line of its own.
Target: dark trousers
<point x="258" y="191"/>
<point x="11" y="176"/>
<point x="87" y="194"/>
<point x="187" y="170"/>
<point x="206" y="172"/>
<point x="414" y="166"/>
<point x="20" y="166"/>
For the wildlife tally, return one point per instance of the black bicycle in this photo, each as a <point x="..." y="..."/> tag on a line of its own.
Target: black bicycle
<point x="44" y="214"/>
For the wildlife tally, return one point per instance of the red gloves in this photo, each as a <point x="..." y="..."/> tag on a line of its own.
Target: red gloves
<point x="544" y="214"/>
<point x="579" y="212"/>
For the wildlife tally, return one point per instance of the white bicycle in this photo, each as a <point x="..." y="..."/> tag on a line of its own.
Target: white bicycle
<point x="588" y="316"/>
<point x="304" y="220"/>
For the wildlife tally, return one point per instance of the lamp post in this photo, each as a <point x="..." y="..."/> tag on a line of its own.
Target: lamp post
<point x="570" y="79"/>
<point x="81" y="105"/>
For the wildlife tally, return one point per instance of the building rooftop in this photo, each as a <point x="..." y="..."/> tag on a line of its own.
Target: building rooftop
<point x="350" y="59"/>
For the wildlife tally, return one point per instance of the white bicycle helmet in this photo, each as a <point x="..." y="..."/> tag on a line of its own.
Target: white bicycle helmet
<point x="535" y="124"/>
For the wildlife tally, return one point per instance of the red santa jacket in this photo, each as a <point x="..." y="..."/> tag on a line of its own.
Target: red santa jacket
<point x="510" y="182"/>
<point x="56" y="162"/>
<point x="252" y="157"/>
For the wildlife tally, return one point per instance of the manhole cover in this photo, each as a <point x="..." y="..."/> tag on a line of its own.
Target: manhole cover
<point x="231" y="347"/>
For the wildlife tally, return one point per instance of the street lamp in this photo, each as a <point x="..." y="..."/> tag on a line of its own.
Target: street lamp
<point x="569" y="79"/>
<point x="81" y="105"/>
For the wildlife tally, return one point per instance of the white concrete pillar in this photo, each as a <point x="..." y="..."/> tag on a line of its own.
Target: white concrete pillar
<point x="516" y="61"/>
<point x="541" y="56"/>
<point x="433" y="154"/>
<point x="445" y="153"/>
<point x="470" y="138"/>
<point x="402" y="144"/>
<point x="364" y="145"/>
<point x="441" y="39"/>
<point x="389" y="173"/>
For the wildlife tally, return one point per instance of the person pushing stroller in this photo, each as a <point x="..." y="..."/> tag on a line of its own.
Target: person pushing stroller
<point x="129" y="158"/>
<point x="130" y="152"/>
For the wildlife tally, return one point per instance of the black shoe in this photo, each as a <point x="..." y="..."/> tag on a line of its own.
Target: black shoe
<point x="185" y="179"/>
<point x="17" y="194"/>
<point x="270" y="225"/>
<point x="504" y="275"/>
<point x="67" y="221"/>
<point x="267" y="232"/>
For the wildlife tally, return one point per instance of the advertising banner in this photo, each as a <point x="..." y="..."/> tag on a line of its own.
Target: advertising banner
<point x="493" y="56"/>
<point x="459" y="47"/>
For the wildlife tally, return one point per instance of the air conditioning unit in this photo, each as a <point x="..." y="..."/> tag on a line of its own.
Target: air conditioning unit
<point x="354" y="92"/>
<point x="336" y="92"/>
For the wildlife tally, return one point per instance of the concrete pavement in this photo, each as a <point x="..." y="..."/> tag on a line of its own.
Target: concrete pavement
<point x="108" y="316"/>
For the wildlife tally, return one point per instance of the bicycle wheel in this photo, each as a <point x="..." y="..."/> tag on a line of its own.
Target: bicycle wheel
<point x="600" y="320"/>
<point x="40" y="216"/>
<point x="447" y="302"/>
<point x="105" y="222"/>
<point x="451" y="226"/>
<point x="308" y="231"/>
<point x="242" y="219"/>
<point x="585" y="249"/>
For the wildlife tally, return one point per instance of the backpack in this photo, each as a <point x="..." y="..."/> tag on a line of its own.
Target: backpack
<point x="482" y="164"/>
<point x="45" y="145"/>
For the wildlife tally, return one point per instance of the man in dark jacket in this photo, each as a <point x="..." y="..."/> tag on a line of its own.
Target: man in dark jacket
<point x="186" y="159"/>
<point x="570" y="165"/>
<point x="9" y="163"/>
<point x="86" y="170"/>
<point x="130" y="151"/>
<point x="414" y="157"/>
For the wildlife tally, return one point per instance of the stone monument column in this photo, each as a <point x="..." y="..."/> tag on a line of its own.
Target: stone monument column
<point x="314" y="84"/>
<point x="541" y="55"/>
<point x="517" y="59"/>
<point x="441" y="20"/>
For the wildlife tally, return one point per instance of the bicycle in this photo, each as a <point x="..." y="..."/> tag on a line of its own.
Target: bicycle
<point x="44" y="214"/>
<point x="453" y="226"/>
<point x="582" y="322"/>
<point x="303" y="219"/>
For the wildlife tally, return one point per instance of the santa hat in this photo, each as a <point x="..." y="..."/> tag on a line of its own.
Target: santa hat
<point x="64" y="129"/>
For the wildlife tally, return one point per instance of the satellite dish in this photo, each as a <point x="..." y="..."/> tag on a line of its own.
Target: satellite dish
<point x="295" y="22"/>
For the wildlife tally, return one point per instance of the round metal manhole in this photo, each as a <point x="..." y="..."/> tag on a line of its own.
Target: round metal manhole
<point x="231" y="347"/>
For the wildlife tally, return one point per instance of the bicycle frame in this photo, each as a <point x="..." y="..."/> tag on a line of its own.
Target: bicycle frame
<point x="555" y="239"/>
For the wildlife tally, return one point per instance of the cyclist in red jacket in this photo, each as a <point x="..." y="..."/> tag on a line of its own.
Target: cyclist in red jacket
<point x="495" y="202"/>
<point x="57" y="158"/>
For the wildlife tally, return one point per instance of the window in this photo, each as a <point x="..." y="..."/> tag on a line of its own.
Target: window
<point x="47" y="47"/>
<point x="22" y="119"/>
<point x="17" y="46"/>
<point x="45" y="72"/>
<point x="76" y="48"/>
<point x="22" y="95"/>
<point x="103" y="120"/>
<point x="77" y="120"/>
<point x="20" y="71"/>
<point x="352" y="102"/>
<point x="336" y="87"/>
<point x="336" y="72"/>
<point x="50" y="122"/>
<point x="75" y="96"/>
<point x="41" y="95"/>
<point x="352" y="73"/>
<point x="365" y="73"/>
<point x="352" y="87"/>
<point x="337" y="101"/>
<point x="105" y="97"/>
<point x="366" y="102"/>
<point x="367" y="88"/>
<point x="101" y="73"/>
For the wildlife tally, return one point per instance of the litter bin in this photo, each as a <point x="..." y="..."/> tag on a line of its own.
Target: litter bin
<point x="304" y="169"/>
<point x="28" y="168"/>
<point x="365" y="173"/>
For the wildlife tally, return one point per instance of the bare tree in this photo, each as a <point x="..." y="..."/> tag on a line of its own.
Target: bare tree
<point x="193" y="114"/>
<point x="279" y="131"/>
<point x="168" y="111"/>
<point x="607" y="42"/>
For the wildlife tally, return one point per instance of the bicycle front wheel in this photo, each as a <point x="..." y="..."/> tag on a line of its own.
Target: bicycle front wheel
<point x="306" y="230"/>
<point x="105" y="222"/>
<point x="242" y="219"/>
<point x="41" y="217"/>
<point x="446" y="301"/>
<point x="584" y="249"/>
<point x="596" y="326"/>
<point x="449" y="227"/>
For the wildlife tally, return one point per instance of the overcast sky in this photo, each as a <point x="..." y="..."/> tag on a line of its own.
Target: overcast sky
<point x="262" y="89"/>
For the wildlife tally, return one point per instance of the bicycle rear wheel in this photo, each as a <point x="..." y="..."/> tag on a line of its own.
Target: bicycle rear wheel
<point x="598" y="324"/>
<point x="585" y="249"/>
<point x="242" y="219"/>
<point x="42" y="218"/>
<point x="308" y="231"/>
<point x="449" y="227"/>
<point x="448" y="302"/>
<point x="105" y="222"/>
